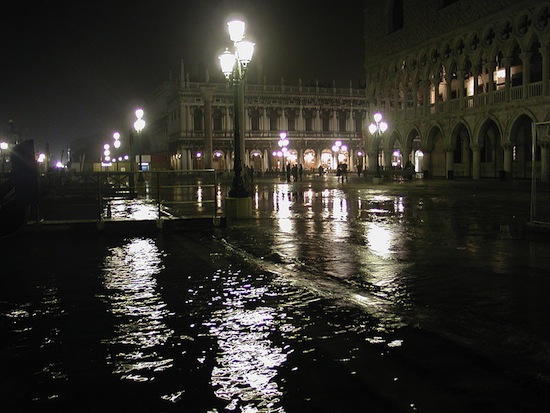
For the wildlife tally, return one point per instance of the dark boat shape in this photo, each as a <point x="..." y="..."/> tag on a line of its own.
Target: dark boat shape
<point x="20" y="191"/>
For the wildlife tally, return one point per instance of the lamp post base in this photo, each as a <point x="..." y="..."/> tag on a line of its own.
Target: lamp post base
<point x="238" y="208"/>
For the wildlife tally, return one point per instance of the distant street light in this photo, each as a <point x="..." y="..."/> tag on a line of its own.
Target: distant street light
<point x="116" y="137"/>
<point x="234" y="65"/>
<point x="283" y="143"/>
<point x="377" y="128"/>
<point x="139" y="125"/>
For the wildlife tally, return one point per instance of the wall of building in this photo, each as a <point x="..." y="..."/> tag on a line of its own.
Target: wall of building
<point x="462" y="82"/>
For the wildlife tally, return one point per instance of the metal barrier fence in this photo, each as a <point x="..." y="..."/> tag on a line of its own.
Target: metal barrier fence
<point x="73" y="196"/>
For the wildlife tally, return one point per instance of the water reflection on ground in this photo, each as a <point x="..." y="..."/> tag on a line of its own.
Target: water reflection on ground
<point x="131" y="292"/>
<point x="247" y="361"/>
<point x="334" y="297"/>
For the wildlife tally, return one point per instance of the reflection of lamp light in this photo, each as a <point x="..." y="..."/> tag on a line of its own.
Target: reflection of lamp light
<point x="377" y="129"/>
<point x="234" y="66"/>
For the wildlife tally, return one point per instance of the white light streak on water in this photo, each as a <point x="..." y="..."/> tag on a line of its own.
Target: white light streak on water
<point x="131" y="292"/>
<point x="136" y="209"/>
<point x="248" y="360"/>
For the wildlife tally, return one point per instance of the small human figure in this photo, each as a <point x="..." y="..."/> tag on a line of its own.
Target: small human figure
<point x="300" y="171"/>
<point x="339" y="172"/>
<point x="345" y="172"/>
<point x="321" y="170"/>
<point x="288" y="172"/>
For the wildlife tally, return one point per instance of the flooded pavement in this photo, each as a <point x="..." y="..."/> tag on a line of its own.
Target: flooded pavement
<point x="336" y="297"/>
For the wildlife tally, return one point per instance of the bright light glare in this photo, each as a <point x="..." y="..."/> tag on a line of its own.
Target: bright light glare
<point x="236" y="30"/>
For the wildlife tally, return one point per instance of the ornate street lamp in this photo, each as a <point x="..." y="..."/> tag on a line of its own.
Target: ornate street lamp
<point x="139" y="125"/>
<point x="234" y="65"/>
<point x="283" y="143"/>
<point x="376" y="129"/>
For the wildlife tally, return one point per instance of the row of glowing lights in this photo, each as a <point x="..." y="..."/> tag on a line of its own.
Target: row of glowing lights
<point x="377" y="127"/>
<point x="139" y="125"/>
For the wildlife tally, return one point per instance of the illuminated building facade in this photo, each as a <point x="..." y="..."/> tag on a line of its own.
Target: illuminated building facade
<point x="193" y="125"/>
<point x="460" y="82"/>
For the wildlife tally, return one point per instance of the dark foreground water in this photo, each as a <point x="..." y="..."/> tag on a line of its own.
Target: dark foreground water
<point x="334" y="298"/>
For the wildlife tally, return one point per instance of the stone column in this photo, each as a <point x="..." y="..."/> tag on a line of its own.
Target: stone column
<point x="460" y="77"/>
<point x="526" y="60"/>
<point x="507" y="148"/>
<point x="448" y="90"/>
<point x="207" y="93"/>
<point x="387" y="158"/>
<point x="476" y="161"/>
<point x="449" y="162"/>
<point x="426" y="162"/>
<point x="406" y="154"/>
<point x="544" y="51"/>
<point x="544" y="159"/>
<point x="491" y="66"/>
<point x="426" y="96"/>
<point x="508" y="78"/>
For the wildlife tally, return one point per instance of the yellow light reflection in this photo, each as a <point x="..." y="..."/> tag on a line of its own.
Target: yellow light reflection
<point x="131" y="293"/>
<point x="379" y="239"/>
<point x="282" y="204"/>
<point x="340" y="208"/>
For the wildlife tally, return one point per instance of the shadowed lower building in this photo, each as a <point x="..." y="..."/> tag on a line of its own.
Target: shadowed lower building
<point x="459" y="83"/>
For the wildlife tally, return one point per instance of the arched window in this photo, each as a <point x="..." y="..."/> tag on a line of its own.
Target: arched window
<point x="197" y="120"/>
<point x="255" y="119"/>
<point x="217" y="119"/>
<point x="325" y="119"/>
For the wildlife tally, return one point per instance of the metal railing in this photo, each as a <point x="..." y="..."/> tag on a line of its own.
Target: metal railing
<point x="75" y="196"/>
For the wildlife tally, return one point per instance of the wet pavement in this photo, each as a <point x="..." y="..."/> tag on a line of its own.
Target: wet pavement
<point x="423" y="296"/>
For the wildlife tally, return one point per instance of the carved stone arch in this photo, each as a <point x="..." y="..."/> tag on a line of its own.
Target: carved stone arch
<point x="489" y="37"/>
<point x="530" y="40"/>
<point x="513" y="122"/>
<point x="541" y="17"/>
<point x="423" y="64"/>
<point x="484" y="124"/>
<point x="446" y="51"/>
<point x="509" y="50"/>
<point x="505" y="30"/>
<point x="461" y="129"/>
<point x="434" y="57"/>
<point x="413" y="133"/>
<point x="423" y="59"/>
<point x="459" y="47"/>
<point x="473" y="42"/>
<point x="389" y="142"/>
<point x="523" y="23"/>
<point x="433" y="129"/>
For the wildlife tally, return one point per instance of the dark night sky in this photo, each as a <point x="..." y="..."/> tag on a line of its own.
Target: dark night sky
<point x="76" y="69"/>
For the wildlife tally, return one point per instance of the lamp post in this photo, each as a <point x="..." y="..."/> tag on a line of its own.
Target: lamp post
<point x="376" y="129"/>
<point x="283" y="143"/>
<point x="234" y="65"/>
<point x="340" y="150"/>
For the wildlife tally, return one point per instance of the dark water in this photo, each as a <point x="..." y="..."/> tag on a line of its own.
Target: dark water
<point x="334" y="298"/>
